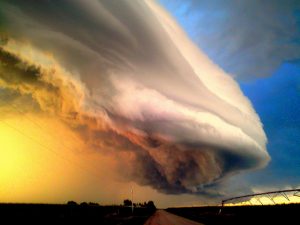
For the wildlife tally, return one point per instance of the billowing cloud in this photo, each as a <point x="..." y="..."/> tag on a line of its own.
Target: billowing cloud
<point x="127" y="78"/>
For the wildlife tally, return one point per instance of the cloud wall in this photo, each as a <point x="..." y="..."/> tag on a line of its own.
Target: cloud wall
<point x="127" y="78"/>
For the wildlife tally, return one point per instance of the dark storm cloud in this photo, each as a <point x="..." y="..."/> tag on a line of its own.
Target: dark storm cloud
<point x="128" y="79"/>
<point x="23" y="83"/>
<point x="246" y="38"/>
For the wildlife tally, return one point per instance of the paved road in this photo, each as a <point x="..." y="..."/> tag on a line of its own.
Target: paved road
<point x="161" y="217"/>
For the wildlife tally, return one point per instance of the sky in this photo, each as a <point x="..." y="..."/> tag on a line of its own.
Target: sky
<point x="186" y="102"/>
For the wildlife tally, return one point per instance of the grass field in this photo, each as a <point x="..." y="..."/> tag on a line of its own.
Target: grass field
<point x="72" y="214"/>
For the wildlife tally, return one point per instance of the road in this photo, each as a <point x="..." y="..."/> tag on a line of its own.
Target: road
<point x="161" y="217"/>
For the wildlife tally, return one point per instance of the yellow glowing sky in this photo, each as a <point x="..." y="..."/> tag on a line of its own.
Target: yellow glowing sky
<point x="43" y="161"/>
<point x="46" y="165"/>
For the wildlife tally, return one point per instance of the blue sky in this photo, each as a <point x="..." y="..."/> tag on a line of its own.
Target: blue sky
<point x="276" y="100"/>
<point x="259" y="44"/>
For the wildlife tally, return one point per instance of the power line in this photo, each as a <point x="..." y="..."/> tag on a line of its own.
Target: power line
<point x="32" y="121"/>
<point x="41" y="144"/>
<point x="50" y="150"/>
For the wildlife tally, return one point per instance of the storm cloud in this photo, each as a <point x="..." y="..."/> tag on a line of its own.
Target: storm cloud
<point x="248" y="39"/>
<point x="127" y="78"/>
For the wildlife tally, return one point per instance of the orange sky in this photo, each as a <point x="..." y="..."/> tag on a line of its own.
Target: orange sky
<point x="43" y="161"/>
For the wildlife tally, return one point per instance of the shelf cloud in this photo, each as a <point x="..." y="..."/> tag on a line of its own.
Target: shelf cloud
<point x="128" y="79"/>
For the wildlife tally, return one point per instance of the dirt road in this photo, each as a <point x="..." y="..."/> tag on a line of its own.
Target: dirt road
<point x="161" y="217"/>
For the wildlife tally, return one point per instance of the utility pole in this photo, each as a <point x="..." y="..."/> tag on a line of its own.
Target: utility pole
<point x="132" y="199"/>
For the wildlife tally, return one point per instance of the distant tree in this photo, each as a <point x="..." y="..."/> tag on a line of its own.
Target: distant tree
<point x="72" y="203"/>
<point x="93" y="204"/>
<point x="150" y="205"/>
<point x="127" y="202"/>
<point x="83" y="204"/>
